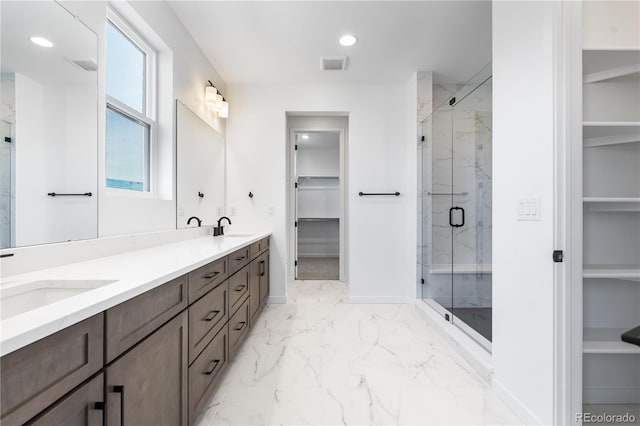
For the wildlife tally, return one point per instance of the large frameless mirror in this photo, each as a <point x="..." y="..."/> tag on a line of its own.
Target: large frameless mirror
<point x="48" y="118"/>
<point x="200" y="170"/>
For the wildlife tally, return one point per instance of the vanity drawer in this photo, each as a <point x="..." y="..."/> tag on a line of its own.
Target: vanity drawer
<point x="206" y="317"/>
<point x="238" y="259"/>
<point x="207" y="371"/>
<point x="238" y="328"/>
<point x="131" y="321"/>
<point x="264" y="245"/>
<point x="238" y="288"/>
<point x="34" y="377"/>
<point x="254" y="250"/>
<point x="207" y="277"/>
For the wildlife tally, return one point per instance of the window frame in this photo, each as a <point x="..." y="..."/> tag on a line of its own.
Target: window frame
<point x="148" y="116"/>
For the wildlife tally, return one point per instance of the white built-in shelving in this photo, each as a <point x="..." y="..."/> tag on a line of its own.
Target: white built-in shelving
<point x="603" y="133"/>
<point x="611" y="202"/>
<point x="318" y="196"/>
<point x="607" y="341"/>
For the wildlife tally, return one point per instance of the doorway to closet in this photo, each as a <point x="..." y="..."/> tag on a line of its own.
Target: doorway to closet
<point x="317" y="197"/>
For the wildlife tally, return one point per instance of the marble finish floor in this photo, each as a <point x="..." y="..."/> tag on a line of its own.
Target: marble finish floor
<point x="318" y="268"/>
<point x="319" y="360"/>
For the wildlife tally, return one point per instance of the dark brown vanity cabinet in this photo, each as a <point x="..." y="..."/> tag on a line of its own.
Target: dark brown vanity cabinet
<point x="152" y="360"/>
<point x="147" y="386"/>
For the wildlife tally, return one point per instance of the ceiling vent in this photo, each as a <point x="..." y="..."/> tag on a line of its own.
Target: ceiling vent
<point x="333" y="63"/>
<point x="85" y="64"/>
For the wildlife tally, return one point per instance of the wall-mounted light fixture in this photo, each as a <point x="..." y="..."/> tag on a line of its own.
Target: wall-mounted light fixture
<point x="216" y="101"/>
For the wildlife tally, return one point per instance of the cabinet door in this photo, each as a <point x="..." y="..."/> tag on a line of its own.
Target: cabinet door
<point x="83" y="407"/>
<point x="34" y="377"/>
<point x="254" y="288"/>
<point x="147" y="386"/>
<point x="264" y="276"/>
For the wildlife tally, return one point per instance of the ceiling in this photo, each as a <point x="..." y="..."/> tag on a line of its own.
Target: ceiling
<point x="71" y="41"/>
<point x="276" y="42"/>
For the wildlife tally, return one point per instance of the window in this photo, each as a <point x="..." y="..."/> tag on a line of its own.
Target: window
<point x="130" y="128"/>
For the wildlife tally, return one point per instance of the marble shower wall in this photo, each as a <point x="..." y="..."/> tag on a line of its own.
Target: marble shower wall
<point x="7" y="154"/>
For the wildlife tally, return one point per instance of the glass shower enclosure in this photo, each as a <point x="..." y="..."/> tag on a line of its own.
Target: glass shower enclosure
<point x="456" y="208"/>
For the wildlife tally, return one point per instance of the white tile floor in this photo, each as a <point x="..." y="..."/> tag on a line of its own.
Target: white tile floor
<point x="321" y="361"/>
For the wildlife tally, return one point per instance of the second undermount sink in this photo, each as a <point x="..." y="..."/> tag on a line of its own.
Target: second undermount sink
<point x="22" y="298"/>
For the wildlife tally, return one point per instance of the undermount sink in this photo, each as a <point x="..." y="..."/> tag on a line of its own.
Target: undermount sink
<point x="22" y="298"/>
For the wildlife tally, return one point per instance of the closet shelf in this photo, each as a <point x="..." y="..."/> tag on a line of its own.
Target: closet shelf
<point x="612" y="204"/>
<point x="602" y="133"/>
<point x="603" y="65"/>
<point x="606" y="341"/>
<point x="620" y="272"/>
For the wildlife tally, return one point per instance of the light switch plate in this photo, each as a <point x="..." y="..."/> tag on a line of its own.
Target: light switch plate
<point x="529" y="209"/>
<point x="233" y="211"/>
<point x="271" y="211"/>
<point x="181" y="211"/>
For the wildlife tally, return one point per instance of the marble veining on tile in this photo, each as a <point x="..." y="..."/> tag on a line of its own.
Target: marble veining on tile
<point x="319" y="360"/>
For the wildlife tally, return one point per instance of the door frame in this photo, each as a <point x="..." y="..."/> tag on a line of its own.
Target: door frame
<point x="291" y="197"/>
<point x="567" y="211"/>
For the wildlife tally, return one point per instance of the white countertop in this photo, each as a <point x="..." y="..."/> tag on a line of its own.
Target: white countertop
<point x="134" y="273"/>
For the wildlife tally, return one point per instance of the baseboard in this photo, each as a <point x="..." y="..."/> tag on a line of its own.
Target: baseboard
<point x="277" y="300"/>
<point x="471" y="351"/>
<point x="515" y="404"/>
<point x="379" y="299"/>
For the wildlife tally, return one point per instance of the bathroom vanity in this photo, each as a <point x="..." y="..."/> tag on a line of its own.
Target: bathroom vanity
<point x="147" y="349"/>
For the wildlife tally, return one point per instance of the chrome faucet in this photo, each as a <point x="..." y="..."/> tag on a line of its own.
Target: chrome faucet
<point x="219" y="230"/>
<point x="196" y="218"/>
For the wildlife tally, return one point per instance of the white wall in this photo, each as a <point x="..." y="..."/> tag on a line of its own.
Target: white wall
<point x="123" y="214"/>
<point x="53" y="126"/>
<point x="381" y="230"/>
<point x="523" y="141"/>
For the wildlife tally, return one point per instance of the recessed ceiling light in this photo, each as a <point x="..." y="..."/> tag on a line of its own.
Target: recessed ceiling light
<point x="348" y="40"/>
<point x="41" y="41"/>
<point x="305" y="136"/>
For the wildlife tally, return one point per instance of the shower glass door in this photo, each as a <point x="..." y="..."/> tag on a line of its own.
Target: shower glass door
<point x="457" y="200"/>
<point x="471" y="212"/>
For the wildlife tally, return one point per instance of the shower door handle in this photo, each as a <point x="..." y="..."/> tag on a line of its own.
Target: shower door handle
<point x="455" y="225"/>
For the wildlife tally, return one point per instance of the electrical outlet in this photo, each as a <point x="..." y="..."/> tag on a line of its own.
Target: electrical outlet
<point x="219" y="211"/>
<point x="271" y="211"/>
<point x="233" y="211"/>
<point x="181" y="211"/>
